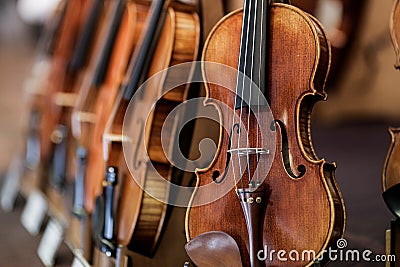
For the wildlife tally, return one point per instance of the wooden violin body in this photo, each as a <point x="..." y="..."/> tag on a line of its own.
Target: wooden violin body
<point x="304" y="209"/>
<point x="391" y="168"/>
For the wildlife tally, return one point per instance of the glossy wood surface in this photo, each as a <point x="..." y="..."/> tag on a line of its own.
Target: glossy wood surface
<point x="302" y="214"/>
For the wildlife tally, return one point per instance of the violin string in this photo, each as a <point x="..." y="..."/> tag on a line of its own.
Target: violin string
<point x="251" y="89"/>
<point x="258" y="95"/>
<point x="236" y="98"/>
<point x="243" y="88"/>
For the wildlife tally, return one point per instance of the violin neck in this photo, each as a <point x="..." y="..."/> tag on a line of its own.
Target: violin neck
<point x="143" y="55"/>
<point x="83" y="46"/>
<point x="253" y="59"/>
<point x="105" y="54"/>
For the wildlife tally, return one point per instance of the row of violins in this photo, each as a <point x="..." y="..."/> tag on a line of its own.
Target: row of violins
<point x="102" y="67"/>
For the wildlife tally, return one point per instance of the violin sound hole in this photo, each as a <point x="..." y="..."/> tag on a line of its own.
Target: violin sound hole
<point x="215" y="176"/>
<point x="285" y="151"/>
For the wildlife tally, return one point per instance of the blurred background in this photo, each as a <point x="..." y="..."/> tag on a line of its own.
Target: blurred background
<point x="349" y="129"/>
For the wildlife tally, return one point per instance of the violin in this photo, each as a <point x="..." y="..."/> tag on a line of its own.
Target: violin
<point x="171" y="37"/>
<point x="391" y="168"/>
<point x="35" y="85"/>
<point x="52" y="66"/>
<point x="56" y="122"/>
<point x="94" y="105"/>
<point x="266" y="186"/>
<point x="23" y="170"/>
<point x="63" y="55"/>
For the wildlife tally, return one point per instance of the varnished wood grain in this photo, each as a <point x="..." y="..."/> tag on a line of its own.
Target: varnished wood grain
<point x="305" y="213"/>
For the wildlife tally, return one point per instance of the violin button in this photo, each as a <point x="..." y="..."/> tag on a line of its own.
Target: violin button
<point x="250" y="200"/>
<point x="258" y="200"/>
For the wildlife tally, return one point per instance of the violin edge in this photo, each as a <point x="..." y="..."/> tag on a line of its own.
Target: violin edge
<point x="393" y="33"/>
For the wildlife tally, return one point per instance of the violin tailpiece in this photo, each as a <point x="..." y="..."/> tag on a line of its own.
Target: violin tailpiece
<point x="254" y="205"/>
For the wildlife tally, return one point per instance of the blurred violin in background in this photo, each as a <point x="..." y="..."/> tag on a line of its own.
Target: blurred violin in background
<point x="37" y="147"/>
<point x="171" y="36"/>
<point x="93" y="109"/>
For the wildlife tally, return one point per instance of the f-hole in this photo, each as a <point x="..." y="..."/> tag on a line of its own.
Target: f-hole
<point x="216" y="174"/>
<point x="285" y="151"/>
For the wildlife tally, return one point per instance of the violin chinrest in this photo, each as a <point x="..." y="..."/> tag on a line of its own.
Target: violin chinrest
<point x="214" y="248"/>
<point x="392" y="199"/>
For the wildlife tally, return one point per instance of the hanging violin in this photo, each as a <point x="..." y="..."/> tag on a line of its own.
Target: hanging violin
<point x="42" y="90"/>
<point x="26" y="161"/>
<point x="61" y="71"/>
<point x="172" y="37"/>
<point x="391" y="169"/>
<point x="287" y="200"/>
<point x="94" y="106"/>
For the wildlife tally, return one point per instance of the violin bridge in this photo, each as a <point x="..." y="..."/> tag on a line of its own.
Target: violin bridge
<point x="249" y="151"/>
